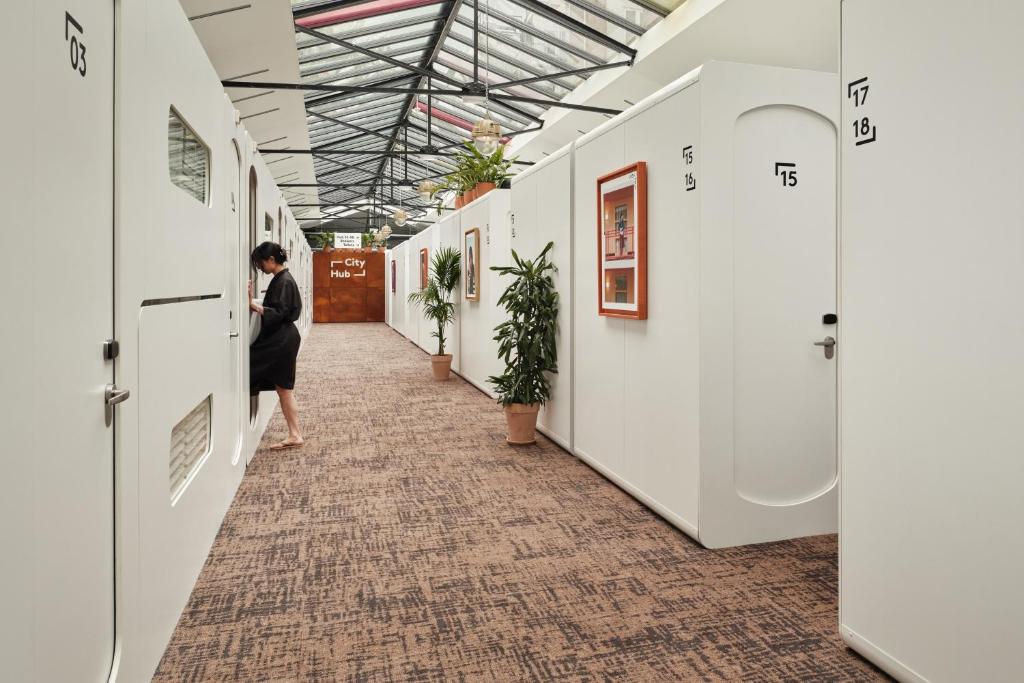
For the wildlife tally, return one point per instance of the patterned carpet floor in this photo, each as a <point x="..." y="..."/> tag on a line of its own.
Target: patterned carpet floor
<point x="407" y="542"/>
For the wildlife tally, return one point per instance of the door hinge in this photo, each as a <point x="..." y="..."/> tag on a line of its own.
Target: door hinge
<point x="111" y="349"/>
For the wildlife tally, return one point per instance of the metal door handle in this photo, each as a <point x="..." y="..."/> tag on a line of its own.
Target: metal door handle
<point x="111" y="397"/>
<point x="233" y="335"/>
<point x="830" y="346"/>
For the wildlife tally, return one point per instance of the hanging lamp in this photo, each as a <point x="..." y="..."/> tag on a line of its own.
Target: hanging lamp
<point x="486" y="136"/>
<point x="486" y="132"/>
<point x="427" y="188"/>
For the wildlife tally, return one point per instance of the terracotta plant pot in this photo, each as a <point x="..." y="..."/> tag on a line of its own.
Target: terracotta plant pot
<point x="483" y="188"/>
<point x="522" y="423"/>
<point x="470" y="196"/>
<point x="441" y="366"/>
<point x="460" y="200"/>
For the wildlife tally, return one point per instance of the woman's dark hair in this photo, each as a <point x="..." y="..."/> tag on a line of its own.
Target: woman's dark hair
<point x="268" y="250"/>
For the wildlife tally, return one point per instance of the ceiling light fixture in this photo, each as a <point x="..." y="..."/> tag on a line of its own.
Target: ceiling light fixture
<point x="486" y="132"/>
<point x="427" y="188"/>
<point x="486" y="136"/>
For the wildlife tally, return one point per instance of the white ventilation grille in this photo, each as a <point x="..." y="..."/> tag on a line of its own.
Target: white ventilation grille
<point x="190" y="442"/>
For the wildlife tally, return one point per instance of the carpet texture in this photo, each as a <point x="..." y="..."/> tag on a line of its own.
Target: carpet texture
<point x="407" y="542"/>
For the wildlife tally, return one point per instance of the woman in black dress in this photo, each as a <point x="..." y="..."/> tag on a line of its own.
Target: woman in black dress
<point x="272" y="355"/>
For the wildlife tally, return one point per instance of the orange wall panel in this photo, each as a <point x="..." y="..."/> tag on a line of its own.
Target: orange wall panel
<point x="348" y="286"/>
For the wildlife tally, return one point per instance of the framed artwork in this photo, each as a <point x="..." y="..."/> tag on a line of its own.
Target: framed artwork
<point x="471" y="259"/>
<point x="622" y="243"/>
<point x="424" y="267"/>
<point x="393" y="276"/>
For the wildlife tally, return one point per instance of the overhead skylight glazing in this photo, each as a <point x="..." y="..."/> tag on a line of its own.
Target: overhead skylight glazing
<point x="374" y="143"/>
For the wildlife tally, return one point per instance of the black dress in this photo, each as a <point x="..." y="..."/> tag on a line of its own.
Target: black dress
<point x="272" y="355"/>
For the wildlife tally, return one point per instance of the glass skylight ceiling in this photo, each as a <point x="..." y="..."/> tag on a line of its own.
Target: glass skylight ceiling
<point x="397" y="44"/>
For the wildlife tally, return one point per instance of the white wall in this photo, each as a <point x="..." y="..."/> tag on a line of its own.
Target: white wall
<point x="429" y="239"/>
<point x="931" y="552"/>
<point x="173" y="354"/>
<point x="479" y="352"/>
<point x="56" y="515"/>
<point x="637" y="384"/>
<point x="542" y="212"/>
<point x="671" y="407"/>
<point x="449" y="234"/>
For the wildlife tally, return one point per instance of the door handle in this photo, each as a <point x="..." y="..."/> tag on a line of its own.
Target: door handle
<point x="830" y="346"/>
<point x="233" y="334"/>
<point x="111" y="397"/>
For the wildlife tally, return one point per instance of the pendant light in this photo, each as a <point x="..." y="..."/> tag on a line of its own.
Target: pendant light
<point x="486" y="136"/>
<point x="486" y="132"/>
<point x="427" y="188"/>
<point x="400" y="217"/>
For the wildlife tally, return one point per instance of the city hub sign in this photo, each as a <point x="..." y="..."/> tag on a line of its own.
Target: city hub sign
<point x="347" y="267"/>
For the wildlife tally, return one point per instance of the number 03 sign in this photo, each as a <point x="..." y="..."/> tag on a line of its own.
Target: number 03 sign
<point x="622" y="243"/>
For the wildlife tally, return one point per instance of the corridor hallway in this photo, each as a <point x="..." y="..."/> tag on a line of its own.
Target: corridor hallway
<point x="407" y="542"/>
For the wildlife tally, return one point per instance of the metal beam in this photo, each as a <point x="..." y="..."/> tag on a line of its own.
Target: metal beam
<point x="323" y="100"/>
<point x="346" y="124"/>
<point x="540" y="35"/>
<point x="497" y="70"/>
<point x="519" y="46"/>
<point x="556" y="105"/>
<point x="426" y="76"/>
<point x="575" y="25"/>
<point x="331" y="66"/>
<point x="363" y="152"/>
<point x="651" y="6"/>
<point x="370" y="53"/>
<point x="355" y="33"/>
<point x="610" y="17"/>
<point x="313" y="87"/>
<point x="571" y="72"/>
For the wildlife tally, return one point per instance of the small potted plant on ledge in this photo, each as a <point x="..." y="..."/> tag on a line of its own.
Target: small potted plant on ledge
<point x="492" y="170"/>
<point x="436" y="300"/>
<point x="526" y="343"/>
<point x="475" y="174"/>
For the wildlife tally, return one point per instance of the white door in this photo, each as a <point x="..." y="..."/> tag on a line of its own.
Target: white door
<point x="784" y="285"/>
<point x="57" y="509"/>
<point x="235" y="230"/>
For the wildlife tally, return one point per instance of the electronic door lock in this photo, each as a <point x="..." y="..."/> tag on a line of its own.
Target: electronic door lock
<point x="829" y="319"/>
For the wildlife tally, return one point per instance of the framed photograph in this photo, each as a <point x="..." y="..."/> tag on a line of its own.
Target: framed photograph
<point x="424" y="268"/>
<point x="394" y="277"/>
<point x="622" y="243"/>
<point x="471" y="267"/>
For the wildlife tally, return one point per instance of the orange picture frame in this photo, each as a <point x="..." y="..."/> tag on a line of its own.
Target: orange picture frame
<point x="424" y="267"/>
<point x="471" y="267"/>
<point x="622" y="243"/>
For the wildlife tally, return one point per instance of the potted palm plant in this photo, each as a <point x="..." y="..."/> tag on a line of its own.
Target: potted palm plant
<point x="436" y="300"/>
<point x="526" y="343"/>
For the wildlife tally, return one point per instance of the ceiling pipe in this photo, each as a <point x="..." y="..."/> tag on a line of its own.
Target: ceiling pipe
<point x="363" y="11"/>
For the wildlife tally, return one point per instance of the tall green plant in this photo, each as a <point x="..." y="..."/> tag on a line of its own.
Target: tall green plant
<point x="526" y="341"/>
<point x="436" y="297"/>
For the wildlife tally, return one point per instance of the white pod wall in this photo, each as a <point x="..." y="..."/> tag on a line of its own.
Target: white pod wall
<point x="542" y="213"/>
<point x="718" y="411"/>
<point x="116" y="517"/>
<point x="478" y="350"/>
<point x="932" y="552"/>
